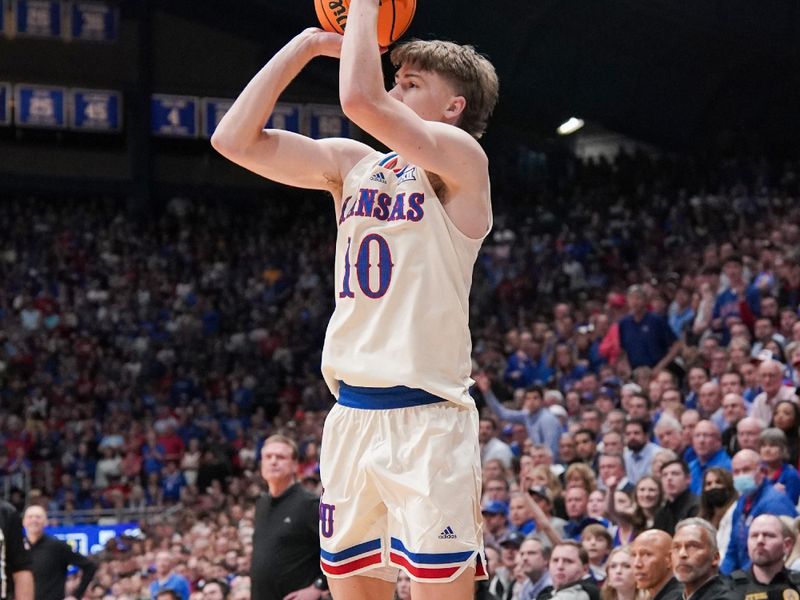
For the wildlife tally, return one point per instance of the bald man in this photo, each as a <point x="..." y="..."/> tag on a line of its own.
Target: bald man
<point x="756" y="497"/>
<point x="769" y="542"/>
<point x="652" y="565"/>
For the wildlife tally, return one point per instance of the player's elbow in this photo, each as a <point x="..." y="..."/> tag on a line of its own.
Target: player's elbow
<point x="360" y="108"/>
<point x="224" y="143"/>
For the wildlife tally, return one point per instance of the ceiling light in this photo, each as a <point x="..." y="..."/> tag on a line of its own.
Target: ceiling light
<point x="570" y="126"/>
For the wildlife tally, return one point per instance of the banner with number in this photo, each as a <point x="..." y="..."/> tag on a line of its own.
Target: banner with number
<point x="174" y="116"/>
<point x="96" y="110"/>
<point x="40" y="106"/>
<point x="286" y="117"/>
<point x="213" y="111"/>
<point x="5" y="103"/>
<point x="326" y="121"/>
<point x="94" y="21"/>
<point x="90" y="539"/>
<point x="38" y="18"/>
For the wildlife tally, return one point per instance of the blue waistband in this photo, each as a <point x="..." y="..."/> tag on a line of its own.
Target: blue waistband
<point x="370" y="398"/>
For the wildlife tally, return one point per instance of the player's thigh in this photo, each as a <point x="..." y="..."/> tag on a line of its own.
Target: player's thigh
<point x="360" y="587"/>
<point x="461" y="588"/>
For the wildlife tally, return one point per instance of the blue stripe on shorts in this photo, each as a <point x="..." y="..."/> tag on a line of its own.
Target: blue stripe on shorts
<point x="370" y="398"/>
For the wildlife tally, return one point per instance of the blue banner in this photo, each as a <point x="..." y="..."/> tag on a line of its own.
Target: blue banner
<point x="90" y="539"/>
<point x="94" y="22"/>
<point x="174" y="116"/>
<point x="39" y="18"/>
<point x="40" y="106"/>
<point x="96" y="110"/>
<point x="286" y="117"/>
<point x="5" y="103"/>
<point x="326" y="121"/>
<point x="213" y="111"/>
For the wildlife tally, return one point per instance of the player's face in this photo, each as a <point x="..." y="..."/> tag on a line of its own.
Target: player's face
<point x="426" y="93"/>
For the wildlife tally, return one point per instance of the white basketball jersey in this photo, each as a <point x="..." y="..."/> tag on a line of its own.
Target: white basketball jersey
<point x="403" y="276"/>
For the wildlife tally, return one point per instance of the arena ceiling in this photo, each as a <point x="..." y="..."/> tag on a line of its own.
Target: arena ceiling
<point x="671" y="72"/>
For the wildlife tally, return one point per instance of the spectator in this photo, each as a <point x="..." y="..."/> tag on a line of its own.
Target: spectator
<point x="491" y="447"/>
<point x="681" y="502"/>
<point x="770" y="375"/>
<point x="568" y="566"/>
<point x="639" y="450"/>
<point x="695" y="560"/>
<point x="748" y="431"/>
<point x="542" y="426"/>
<point x="774" y="451"/>
<point x="534" y="556"/>
<point x="707" y="445"/>
<point x="757" y="497"/>
<point x="645" y="337"/>
<point x="620" y="584"/>
<point x="167" y="579"/>
<point x="717" y="504"/>
<point x="652" y="566"/>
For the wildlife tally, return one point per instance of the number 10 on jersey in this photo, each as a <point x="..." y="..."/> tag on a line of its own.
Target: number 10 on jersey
<point x="370" y="245"/>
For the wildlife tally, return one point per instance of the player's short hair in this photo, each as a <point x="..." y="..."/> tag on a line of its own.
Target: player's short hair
<point x="471" y="73"/>
<point x="282" y="439"/>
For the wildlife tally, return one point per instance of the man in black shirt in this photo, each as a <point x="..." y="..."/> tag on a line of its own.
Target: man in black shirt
<point x="681" y="502"/>
<point x="286" y="537"/>
<point x="51" y="557"/>
<point x="652" y="566"/>
<point x="769" y="542"/>
<point x="16" y="578"/>
<point x="695" y="561"/>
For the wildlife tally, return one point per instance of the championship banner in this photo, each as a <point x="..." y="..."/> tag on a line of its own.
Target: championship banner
<point x="38" y="18"/>
<point x="326" y="121"/>
<point x="90" y="539"/>
<point x="5" y="103"/>
<point x="94" y="22"/>
<point x="286" y="117"/>
<point x="213" y="111"/>
<point x="96" y="110"/>
<point x="174" y="116"/>
<point x="40" y="106"/>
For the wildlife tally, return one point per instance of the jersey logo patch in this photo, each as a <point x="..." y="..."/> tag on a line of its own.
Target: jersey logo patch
<point x="378" y="177"/>
<point x="407" y="173"/>
<point x="447" y="534"/>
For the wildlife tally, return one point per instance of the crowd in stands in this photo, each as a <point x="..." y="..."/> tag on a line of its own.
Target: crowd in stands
<point x="635" y="328"/>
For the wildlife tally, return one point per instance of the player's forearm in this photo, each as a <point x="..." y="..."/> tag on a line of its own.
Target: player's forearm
<point x="23" y="585"/>
<point x="244" y="122"/>
<point x="360" y="72"/>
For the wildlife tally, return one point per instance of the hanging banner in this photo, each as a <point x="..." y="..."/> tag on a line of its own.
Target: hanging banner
<point x="38" y="18"/>
<point x="96" y="110"/>
<point x="94" y="22"/>
<point x="326" y="121"/>
<point x="40" y="106"/>
<point x="174" y="116"/>
<point x="90" y="539"/>
<point x="213" y="111"/>
<point x="286" y="117"/>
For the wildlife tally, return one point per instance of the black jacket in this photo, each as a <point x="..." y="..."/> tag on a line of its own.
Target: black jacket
<point x="684" y="506"/>
<point x="672" y="590"/>
<point x="744" y="585"/>
<point x="12" y="548"/>
<point x="51" y="558"/>
<point x="715" y="588"/>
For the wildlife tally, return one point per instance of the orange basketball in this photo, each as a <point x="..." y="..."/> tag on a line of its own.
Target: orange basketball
<point x="394" y="17"/>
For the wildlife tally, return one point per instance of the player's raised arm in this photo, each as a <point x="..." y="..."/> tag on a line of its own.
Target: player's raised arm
<point x="416" y="117"/>
<point x="283" y="156"/>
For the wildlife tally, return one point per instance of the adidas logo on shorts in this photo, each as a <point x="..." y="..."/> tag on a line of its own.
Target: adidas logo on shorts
<point x="447" y="534"/>
<point x="378" y="177"/>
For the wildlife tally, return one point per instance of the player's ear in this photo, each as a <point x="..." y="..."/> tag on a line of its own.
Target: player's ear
<point x="455" y="107"/>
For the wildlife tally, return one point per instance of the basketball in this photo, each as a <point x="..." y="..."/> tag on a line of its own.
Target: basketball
<point x="393" y="19"/>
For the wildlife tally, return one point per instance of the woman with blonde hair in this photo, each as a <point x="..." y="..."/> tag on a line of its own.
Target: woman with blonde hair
<point x="541" y="475"/>
<point x="620" y="584"/>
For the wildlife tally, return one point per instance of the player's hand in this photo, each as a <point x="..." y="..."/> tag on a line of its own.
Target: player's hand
<point x="324" y="43"/>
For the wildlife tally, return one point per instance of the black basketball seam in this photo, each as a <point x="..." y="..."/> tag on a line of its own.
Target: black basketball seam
<point x="410" y="16"/>
<point x="327" y="17"/>
<point x="394" y="19"/>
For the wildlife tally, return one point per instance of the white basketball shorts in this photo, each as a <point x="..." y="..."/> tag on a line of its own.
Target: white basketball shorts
<point x="401" y="475"/>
